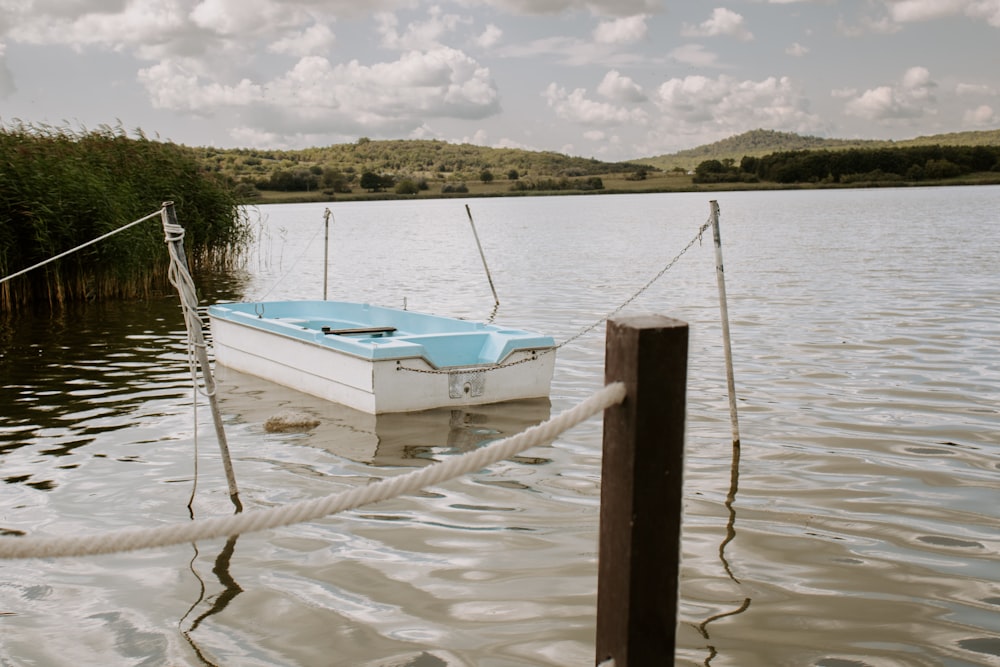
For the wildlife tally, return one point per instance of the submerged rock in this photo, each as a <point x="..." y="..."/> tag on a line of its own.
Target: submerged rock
<point x="288" y="421"/>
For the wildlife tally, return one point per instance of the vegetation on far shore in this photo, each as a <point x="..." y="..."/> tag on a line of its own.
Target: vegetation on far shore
<point x="59" y="190"/>
<point x="369" y="169"/>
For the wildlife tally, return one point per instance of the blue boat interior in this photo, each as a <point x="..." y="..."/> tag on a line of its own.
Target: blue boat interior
<point x="378" y="333"/>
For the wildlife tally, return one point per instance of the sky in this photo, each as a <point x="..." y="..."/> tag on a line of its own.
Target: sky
<point x="609" y="79"/>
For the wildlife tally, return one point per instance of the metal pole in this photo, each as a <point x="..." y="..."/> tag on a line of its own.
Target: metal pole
<point x="720" y="275"/>
<point x="641" y="492"/>
<point x="496" y="299"/>
<point x="326" y="249"/>
<point x="177" y="241"/>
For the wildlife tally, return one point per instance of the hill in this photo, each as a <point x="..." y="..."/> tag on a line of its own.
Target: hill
<point x="436" y="167"/>
<point x="342" y="165"/>
<point x="757" y="143"/>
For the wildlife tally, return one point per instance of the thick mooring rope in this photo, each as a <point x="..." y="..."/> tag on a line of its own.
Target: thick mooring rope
<point x="308" y="510"/>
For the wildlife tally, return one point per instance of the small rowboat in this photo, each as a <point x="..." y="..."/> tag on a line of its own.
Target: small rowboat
<point x="378" y="360"/>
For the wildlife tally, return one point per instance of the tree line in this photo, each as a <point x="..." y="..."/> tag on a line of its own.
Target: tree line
<point x="853" y="166"/>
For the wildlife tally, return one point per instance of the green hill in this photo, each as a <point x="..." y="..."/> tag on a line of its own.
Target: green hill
<point x="416" y="158"/>
<point x="757" y="143"/>
<point x="437" y="166"/>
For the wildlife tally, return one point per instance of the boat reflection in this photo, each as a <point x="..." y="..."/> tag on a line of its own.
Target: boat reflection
<point x="391" y="439"/>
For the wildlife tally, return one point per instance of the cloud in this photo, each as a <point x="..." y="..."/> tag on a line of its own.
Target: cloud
<point x="315" y="39"/>
<point x="243" y="17"/>
<point x="907" y="99"/>
<point x="419" y="34"/>
<point x="575" y="107"/>
<point x="77" y="25"/>
<point x="912" y="11"/>
<point x="727" y="106"/>
<point x="722" y="23"/>
<point x="618" y="88"/>
<point x="975" y="89"/>
<point x="318" y="96"/>
<point x="982" y="116"/>
<point x="905" y="11"/>
<point x="621" y="31"/>
<point x="694" y="55"/>
<point x="796" y="50"/>
<point x="490" y="37"/>
<point x="569" y="51"/>
<point x="597" y="7"/>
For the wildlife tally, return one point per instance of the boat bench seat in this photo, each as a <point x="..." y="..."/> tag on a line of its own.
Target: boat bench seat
<point x="358" y="330"/>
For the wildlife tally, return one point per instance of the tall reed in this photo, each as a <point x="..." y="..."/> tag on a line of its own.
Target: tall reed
<point x="59" y="189"/>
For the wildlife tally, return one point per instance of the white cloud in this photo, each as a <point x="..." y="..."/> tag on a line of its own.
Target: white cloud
<point x="731" y="106"/>
<point x="796" y="50"/>
<point x="315" y="39"/>
<point x="490" y="37"/>
<point x="244" y="18"/>
<point x="575" y="107"/>
<point x="77" y="25"/>
<point x="622" y="31"/>
<point x="723" y="23"/>
<point x="569" y="51"/>
<point x="982" y="116"/>
<point x="175" y="84"/>
<point x="906" y="100"/>
<point x="597" y="7"/>
<point x="905" y="11"/>
<point x="419" y="34"/>
<point x="317" y="96"/>
<point x="975" y="89"/>
<point x="618" y="88"/>
<point x="694" y="55"/>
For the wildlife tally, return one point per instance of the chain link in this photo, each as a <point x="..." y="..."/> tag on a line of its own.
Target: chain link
<point x="586" y="330"/>
<point x="697" y="239"/>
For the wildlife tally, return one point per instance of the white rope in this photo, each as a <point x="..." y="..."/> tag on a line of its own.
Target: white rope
<point x="79" y="247"/>
<point x="308" y="510"/>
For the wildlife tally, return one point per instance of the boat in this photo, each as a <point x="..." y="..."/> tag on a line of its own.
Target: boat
<point x="379" y="360"/>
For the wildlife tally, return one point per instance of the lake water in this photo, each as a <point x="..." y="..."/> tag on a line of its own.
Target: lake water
<point x="861" y="526"/>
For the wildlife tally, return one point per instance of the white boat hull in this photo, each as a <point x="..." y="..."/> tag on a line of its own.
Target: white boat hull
<point x="402" y="382"/>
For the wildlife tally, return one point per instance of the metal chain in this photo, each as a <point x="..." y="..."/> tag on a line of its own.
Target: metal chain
<point x="586" y="330"/>
<point x="697" y="238"/>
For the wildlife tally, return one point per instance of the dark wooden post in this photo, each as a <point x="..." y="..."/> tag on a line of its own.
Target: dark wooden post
<point x="641" y="480"/>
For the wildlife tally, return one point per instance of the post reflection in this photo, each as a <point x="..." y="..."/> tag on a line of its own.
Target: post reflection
<point x="230" y="589"/>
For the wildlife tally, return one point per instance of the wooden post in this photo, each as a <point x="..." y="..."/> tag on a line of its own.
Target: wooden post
<point x="641" y="488"/>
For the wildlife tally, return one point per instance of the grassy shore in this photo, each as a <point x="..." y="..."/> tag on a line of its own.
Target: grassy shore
<point x="656" y="182"/>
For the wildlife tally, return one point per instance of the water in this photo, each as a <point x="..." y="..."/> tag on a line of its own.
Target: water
<point x="861" y="526"/>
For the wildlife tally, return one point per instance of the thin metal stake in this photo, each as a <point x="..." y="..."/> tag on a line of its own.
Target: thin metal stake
<point x="720" y="275"/>
<point x="170" y="217"/>
<point x="496" y="299"/>
<point x="326" y="249"/>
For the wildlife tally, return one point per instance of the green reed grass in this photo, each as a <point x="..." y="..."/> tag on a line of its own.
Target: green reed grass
<point x="59" y="189"/>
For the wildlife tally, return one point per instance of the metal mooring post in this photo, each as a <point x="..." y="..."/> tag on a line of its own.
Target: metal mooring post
<point x="326" y="249"/>
<point x="201" y="352"/>
<point x="641" y="488"/>
<point x="720" y="274"/>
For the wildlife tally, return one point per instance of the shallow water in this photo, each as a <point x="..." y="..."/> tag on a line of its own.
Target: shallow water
<point x="860" y="527"/>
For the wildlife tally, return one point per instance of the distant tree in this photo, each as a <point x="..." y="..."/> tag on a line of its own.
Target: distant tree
<point x="407" y="186"/>
<point x="371" y="181"/>
<point x="512" y="175"/>
<point x="486" y="176"/>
